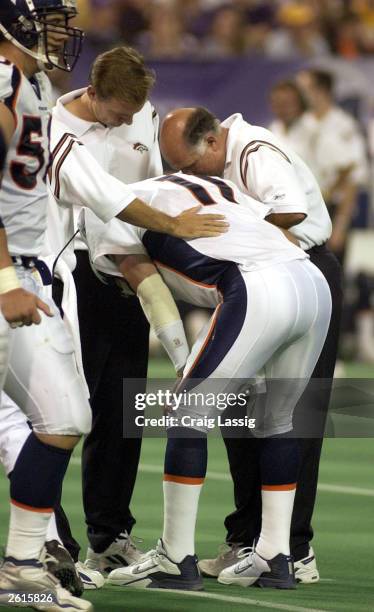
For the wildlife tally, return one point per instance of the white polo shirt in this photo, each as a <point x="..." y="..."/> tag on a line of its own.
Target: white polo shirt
<point x="337" y="144"/>
<point x="270" y="172"/>
<point x="92" y="164"/>
<point x="298" y="136"/>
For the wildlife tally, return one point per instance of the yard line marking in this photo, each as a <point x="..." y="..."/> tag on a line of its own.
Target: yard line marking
<point x="329" y="488"/>
<point x="231" y="599"/>
<point x="220" y="476"/>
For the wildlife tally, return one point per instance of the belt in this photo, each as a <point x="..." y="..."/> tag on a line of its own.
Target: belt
<point x="30" y="263"/>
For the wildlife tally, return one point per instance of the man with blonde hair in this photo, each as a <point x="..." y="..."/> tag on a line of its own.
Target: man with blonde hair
<point x="103" y="137"/>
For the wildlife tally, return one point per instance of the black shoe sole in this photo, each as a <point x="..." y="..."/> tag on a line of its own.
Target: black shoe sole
<point x="177" y="585"/>
<point x="275" y="583"/>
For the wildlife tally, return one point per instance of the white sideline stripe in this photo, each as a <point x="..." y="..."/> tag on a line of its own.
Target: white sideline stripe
<point x="328" y="488"/>
<point x="348" y="490"/>
<point x="238" y="600"/>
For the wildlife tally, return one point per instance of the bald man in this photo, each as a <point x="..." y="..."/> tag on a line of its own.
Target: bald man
<point x="195" y="141"/>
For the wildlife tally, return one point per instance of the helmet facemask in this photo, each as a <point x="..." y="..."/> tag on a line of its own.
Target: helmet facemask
<point x="28" y="33"/>
<point x="66" y="57"/>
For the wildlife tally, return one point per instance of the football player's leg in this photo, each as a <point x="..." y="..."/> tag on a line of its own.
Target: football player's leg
<point x="43" y="380"/>
<point x="4" y="348"/>
<point x="14" y="431"/>
<point x="225" y="355"/>
<point x="287" y="374"/>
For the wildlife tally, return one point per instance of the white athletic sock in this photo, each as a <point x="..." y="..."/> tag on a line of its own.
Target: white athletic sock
<point x="52" y="533"/>
<point x="180" y="510"/>
<point x="27" y="532"/>
<point x="277" y="506"/>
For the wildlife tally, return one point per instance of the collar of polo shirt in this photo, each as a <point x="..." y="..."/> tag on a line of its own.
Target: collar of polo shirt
<point x="78" y="125"/>
<point x="233" y="125"/>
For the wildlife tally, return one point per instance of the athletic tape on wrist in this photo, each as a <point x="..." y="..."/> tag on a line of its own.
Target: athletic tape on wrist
<point x="163" y="316"/>
<point x="8" y="280"/>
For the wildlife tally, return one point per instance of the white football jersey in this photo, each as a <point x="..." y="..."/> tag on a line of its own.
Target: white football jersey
<point x="23" y="193"/>
<point x="191" y="268"/>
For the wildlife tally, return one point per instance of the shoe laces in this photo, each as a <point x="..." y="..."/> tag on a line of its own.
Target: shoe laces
<point x="245" y="554"/>
<point x="147" y="555"/>
<point x="134" y="541"/>
<point x="128" y="541"/>
<point x="226" y="549"/>
<point x="148" y="560"/>
<point x="45" y="558"/>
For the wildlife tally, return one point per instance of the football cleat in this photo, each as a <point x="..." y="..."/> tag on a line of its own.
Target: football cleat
<point x="306" y="570"/>
<point x="91" y="579"/>
<point x="32" y="586"/>
<point x="158" y="571"/>
<point x="121" y="553"/>
<point x="228" y="555"/>
<point x="59" y="563"/>
<point x="276" y="573"/>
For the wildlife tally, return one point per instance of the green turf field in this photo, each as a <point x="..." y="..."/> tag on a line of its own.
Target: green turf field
<point x="344" y="526"/>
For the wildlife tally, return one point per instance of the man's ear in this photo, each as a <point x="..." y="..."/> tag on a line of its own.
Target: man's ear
<point x="212" y="142"/>
<point x="91" y="92"/>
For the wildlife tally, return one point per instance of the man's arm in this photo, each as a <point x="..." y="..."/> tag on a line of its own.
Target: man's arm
<point x="271" y="178"/>
<point x="341" y="223"/>
<point x="158" y="305"/>
<point x="189" y="224"/>
<point x="7" y="127"/>
<point x="17" y="305"/>
<point x="76" y="177"/>
<point x="285" y="220"/>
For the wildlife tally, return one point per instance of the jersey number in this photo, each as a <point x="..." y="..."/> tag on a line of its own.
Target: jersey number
<point x="30" y="147"/>
<point x="198" y="191"/>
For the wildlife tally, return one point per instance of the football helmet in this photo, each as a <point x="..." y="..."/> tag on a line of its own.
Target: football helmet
<point x="27" y="24"/>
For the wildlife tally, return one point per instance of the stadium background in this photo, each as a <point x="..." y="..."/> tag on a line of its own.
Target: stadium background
<point x="227" y="56"/>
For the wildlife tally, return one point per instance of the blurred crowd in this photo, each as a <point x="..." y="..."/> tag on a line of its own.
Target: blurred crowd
<point x="227" y="28"/>
<point x="319" y="33"/>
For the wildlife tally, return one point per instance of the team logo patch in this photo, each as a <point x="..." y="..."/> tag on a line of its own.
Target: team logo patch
<point x="142" y="148"/>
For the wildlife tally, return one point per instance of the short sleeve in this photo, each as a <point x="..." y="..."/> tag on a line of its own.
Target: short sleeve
<point x="10" y="82"/>
<point x="269" y="176"/>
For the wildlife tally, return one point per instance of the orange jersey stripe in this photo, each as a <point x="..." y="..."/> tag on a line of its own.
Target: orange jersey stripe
<point x="31" y="508"/>
<point x="285" y="487"/>
<point x="183" y="479"/>
<point x="208" y="337"/>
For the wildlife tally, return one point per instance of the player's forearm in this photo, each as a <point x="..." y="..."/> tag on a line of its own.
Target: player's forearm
<point x="140" y="214"/>
<point x="162" y="313"/>
<point x="5" y="259"/>
<point x="285" y="220"/>
<point x="158" y="305"/>
<point x="8" y="276"/>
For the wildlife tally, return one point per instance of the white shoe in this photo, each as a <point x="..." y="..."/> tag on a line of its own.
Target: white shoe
<point x="276" y="573"/>
<point x="32" y="586"/>
<point x="228" y="555"/>
<point x="121" y="553"/>
<point x="91" y="579"/>
<point x="158" y="571"/>
<point x="306" y="570"/>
